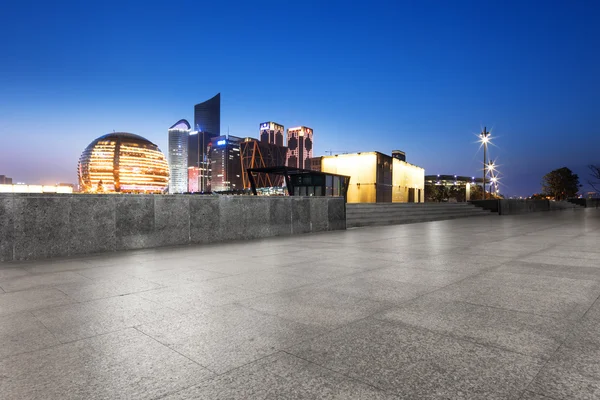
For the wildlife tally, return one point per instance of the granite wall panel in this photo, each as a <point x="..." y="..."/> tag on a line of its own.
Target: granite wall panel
<point x="41" y="225"/>
<point x="92" y="224"/>
<point x="7" y="228"/>
<point x="51" y="225"/>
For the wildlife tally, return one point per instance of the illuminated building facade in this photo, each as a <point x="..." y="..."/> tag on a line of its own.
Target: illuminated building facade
<point x="207" y="116"/>
<point x="271" y="132"/>
<point x="21" y="188"/>
<point x="123" y="163"/>
<point x="198" y="161"/>
<point x="463" y="185"/>
<point x="376" y="177"/>
<point x="178" y="156"/>
<point x="300" y="145"/>
<point x="259" y="154"/>
<point x="226" y="164"/>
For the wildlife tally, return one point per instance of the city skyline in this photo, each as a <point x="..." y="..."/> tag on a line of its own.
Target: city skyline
<point x="419" y="78"/>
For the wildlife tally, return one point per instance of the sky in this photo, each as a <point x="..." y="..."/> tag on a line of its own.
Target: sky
<point x="424" y="77"/>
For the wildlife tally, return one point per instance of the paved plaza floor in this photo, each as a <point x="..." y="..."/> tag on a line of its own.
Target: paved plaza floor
<point x="479" y="308"/>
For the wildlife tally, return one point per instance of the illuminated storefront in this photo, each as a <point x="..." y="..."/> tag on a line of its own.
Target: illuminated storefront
<point x="123" y="163"/>
<point x="376" y="177"/>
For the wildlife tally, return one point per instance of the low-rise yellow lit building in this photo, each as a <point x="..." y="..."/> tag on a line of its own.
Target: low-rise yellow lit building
<point x="376" y="177"/>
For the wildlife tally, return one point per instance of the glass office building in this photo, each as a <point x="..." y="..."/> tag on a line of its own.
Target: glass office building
<point x="207" y="116"/>
<point x="226" y="164"/>
<point x="178" y="156"/>
<point x="123" y="163"/>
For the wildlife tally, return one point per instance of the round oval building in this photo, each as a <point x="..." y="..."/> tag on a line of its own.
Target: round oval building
<point x="122" y="162"/>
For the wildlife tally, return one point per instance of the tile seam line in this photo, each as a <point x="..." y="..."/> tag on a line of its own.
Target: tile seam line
<point x="60" y="343"/>
<point x="351" y="378"/>
<point x="571" y="331"/>
<point x="175" y="351"/>
<point x="461" y="339"/>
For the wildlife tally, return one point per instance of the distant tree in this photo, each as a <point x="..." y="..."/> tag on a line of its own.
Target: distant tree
<point x="458" y="193"/>
<point x="476" y="193"/>
<point x="538" y="196"/>
<point x="595" y="182"/>
<point x="436" y="193"/>
<point x="561" y="183"/>
<point x="430" y="193"/>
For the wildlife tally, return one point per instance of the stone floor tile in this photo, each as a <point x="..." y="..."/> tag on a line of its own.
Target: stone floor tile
<point x="41" y="280"/>
<point x="11" y="272"/>
<point x="523" y="333"/>
<point x="318" y="307"/>
<point x="318" y="270"/>
<point x="541" y="258"/>
<point x="363" y="286"/>
<point x="227" y="337"/>
<point x="198" y="296"/>
<point x="237" y="267"/>
<point x="573" y="373"/>
<point x="99" y="289"/>
<point x="82" y="320"/>
<point x="269" y="281"/>
<point x="281" y="376"/>
<point x="59" y="265"/>
<point x="32" y="299"/>
<point x="420" y="364"/>
<point x="176" y="276"/>
<point x="120" y="365"/>
<point x="21" y="333"/>
<point x="560" y="271"/>
<point x="417" y="276"/>
<point x="542" y="295"/>
<point x="567" y="252"/>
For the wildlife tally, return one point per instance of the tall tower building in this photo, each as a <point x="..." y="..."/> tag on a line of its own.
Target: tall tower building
<point x="207" y="116"/>
<point x="178" y="156"/>
<point x="207" y="125"/>
<point x="198" y="161"/>
<point x="226" y="164"/>
<point x="271" y="132"/>
<point x="300" y="145"/>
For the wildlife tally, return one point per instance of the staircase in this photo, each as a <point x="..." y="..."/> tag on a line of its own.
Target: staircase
<point x="374" y="214"/>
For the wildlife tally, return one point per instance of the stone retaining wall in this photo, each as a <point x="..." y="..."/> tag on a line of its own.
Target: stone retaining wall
<point x="36" y="226"/>
<point x="517" y="206"/>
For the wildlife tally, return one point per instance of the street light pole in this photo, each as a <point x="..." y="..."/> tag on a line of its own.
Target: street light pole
<point x="484" y="139"/>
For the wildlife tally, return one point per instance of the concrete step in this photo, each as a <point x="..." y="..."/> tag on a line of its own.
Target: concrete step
<point x="373" y="214"/>
<point x="409" y="220"/>
<point x="405" y="205"/>
<point x="410" y="215"/>
<point x="412" y="210"/>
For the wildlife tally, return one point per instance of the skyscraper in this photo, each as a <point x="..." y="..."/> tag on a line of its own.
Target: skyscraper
<point x="271" y="132"/>
<point x="207" y="116"/>
<point x="178" y="156"/>
<point x="300" y="144"/>
<point x="198" y="161"/>
<point x="226" y="164"/>
<point x="207" y="125"/>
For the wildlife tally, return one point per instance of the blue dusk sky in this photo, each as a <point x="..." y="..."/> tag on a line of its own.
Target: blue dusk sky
<point x="421" y="76"/>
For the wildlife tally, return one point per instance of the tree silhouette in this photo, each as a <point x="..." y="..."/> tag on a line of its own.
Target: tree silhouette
<point x="561" y="183"/>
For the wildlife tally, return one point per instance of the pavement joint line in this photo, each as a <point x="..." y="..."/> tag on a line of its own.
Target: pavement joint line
<point x="351" y="378"/>
<point x="172" y="349"/>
